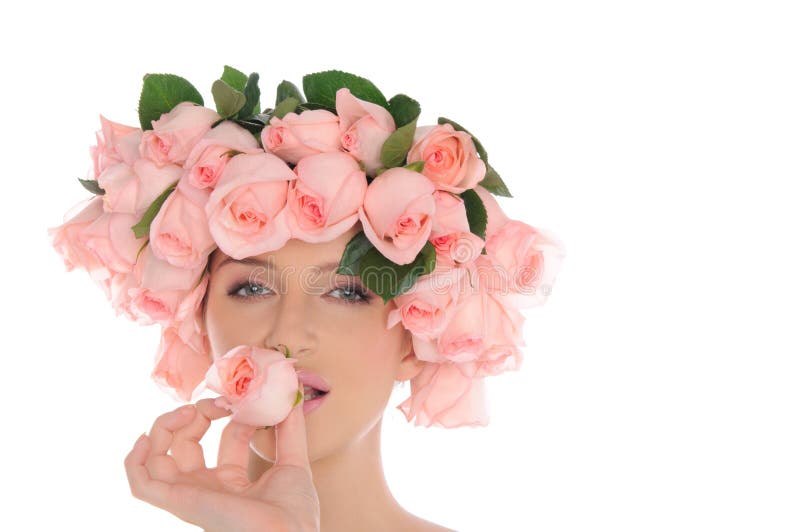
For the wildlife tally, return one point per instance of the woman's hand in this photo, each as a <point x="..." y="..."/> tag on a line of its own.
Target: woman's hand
<point x="222" y="499"/>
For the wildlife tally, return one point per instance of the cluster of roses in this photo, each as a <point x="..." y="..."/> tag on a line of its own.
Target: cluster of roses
<point x="168" y="196"/>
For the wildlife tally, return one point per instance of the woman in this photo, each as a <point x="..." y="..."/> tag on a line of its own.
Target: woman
<point x="235" y="226"/>
<point x="328" y="474"/>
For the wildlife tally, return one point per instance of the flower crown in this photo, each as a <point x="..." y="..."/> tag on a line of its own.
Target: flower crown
<point x="434" y="239"/>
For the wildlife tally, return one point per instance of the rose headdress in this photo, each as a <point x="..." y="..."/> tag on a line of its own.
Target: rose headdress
<point x="192" y="179"/>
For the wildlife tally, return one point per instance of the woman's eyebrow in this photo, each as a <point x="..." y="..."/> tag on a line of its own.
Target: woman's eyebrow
<point x="269" y="264"/>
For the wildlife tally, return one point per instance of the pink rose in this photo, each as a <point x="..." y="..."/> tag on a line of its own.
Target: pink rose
<point x="112" y="240"/>
<point x="323" y="201"/>
<point x="211" y="154"/>
<point x="500" y="325"/>
<point x="457" y="248"/>
<point x="426" y="308"/>
<point x="450" y="233"/>
<point x="66" y="238"/>
<point x="116" y="144"/>
<point x="530" y="259"/>
<point x="495" y="215"/>
<point x="174" y="134"/>
<point x="441" y="395"/>
<point x="179" y="233"/>
<point x="181" y="365"/>
<point x="451" y="160"/>
<point x="245" y="211"/>
<point x="364" y="127"/>
<point x="259" y="386"/>
<point x="156" y="290"/>
<point x="296" y="136"/>
<point x="398" y="213"/>
<point x="133" y="189"/>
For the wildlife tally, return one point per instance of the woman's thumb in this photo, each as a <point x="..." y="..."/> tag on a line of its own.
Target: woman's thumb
<point x="291" y="447"/>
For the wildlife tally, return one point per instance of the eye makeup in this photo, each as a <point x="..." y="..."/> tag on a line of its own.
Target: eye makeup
<point x="353" y="292"/>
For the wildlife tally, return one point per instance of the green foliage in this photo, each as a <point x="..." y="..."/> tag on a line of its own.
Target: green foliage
<point x="321" y="87"/>
<point x="161" y="93"/>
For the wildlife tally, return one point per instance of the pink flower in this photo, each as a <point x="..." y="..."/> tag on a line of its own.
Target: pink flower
<point x="323" y="201"/>
<point x="174" y="134"/>
<point x="481" y="324"/>
<point x="457" y="248"/>
<point x="426" y="308"/>
<point x="157" y="290"/>
<point x="181" y="365"/>
<point x="211" y="154"/>
<point x="450" y="233"/>
<point x="112" y="240"/>
<point x="441" y="395"/>
<point x="179" y="233"/>
<point x="116" y="144"/>
<point x="259" y="386"/>
<point x="398" y="213"/>
<point x="131" y="189"/>
<point x="364" y="127"/>
<point x="245" y="211"/>
<point x="296" y="136"/>
<point x="531" y="259"/>
<point x="66" y="238"/>
<point x="451" y="160"/>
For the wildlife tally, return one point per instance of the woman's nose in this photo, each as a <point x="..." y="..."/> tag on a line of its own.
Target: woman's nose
<point x="290" y="327"/>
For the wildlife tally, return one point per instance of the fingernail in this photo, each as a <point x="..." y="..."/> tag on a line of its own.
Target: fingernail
<point x="186" y="410"/>
<point x="141" y="440"/>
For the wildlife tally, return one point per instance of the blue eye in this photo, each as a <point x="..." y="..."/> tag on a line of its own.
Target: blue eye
<point x="355" y="294"/>
<point x="350" y="294"/>
<point x="249" y="289"/>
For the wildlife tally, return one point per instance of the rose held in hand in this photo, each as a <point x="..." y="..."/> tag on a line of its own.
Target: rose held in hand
<point x="259" y="386"/>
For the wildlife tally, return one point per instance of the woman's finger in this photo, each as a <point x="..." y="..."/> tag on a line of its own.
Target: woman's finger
<point x="291" y="447"/>
<point x="193" y="504"/>
<point x="163" y="430"/>
<point x="234" y="445"/>
<point x="186" y="448"/>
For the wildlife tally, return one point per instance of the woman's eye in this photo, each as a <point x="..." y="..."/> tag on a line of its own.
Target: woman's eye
<point x="351" y="294"/>
<point x="248" y="291"/>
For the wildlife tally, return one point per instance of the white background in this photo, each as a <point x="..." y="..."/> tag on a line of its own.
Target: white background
<point x="658" y="140"/>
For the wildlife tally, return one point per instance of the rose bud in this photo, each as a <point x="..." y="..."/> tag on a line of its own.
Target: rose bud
<point x="259" y="386"/>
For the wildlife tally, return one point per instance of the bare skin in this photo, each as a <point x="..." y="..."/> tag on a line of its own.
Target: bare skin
<point x="333" y="333"/>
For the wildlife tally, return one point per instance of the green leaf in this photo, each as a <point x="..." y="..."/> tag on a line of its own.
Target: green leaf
<point x="161" y="93"/>
<point x="228" y="100"/>
<point x="395" y="148"/>
<point x="253" y="95"/>
<point x="254" y="123"/>
<point x="312" y="106"/>
<point x="416" y="166"/>
<point x="478" y="146"/>
<point x="288" y="89"/>
<point x="142" y="228"/>
<point x="92" y="186"/>
<point x="321" y="88"/>
<point x="389" y="279"/>
<point x="353" y="253"/>
<point x="476" y="212"/>
<point x="234" y="78"/>
<point x="285" y="107"/>
<point x="403" y="109"/>
<point x="494" y="184"/>
<point x="298" y="398"/>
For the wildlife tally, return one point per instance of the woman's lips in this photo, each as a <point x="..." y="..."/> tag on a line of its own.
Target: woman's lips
<point x="308" y="378"/>
<point x="314" y="403"/>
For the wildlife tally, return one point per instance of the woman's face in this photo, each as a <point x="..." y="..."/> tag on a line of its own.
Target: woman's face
<point x="328" y="327"/>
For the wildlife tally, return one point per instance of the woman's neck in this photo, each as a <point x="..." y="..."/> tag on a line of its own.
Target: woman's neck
<point x="352" y="488"/>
